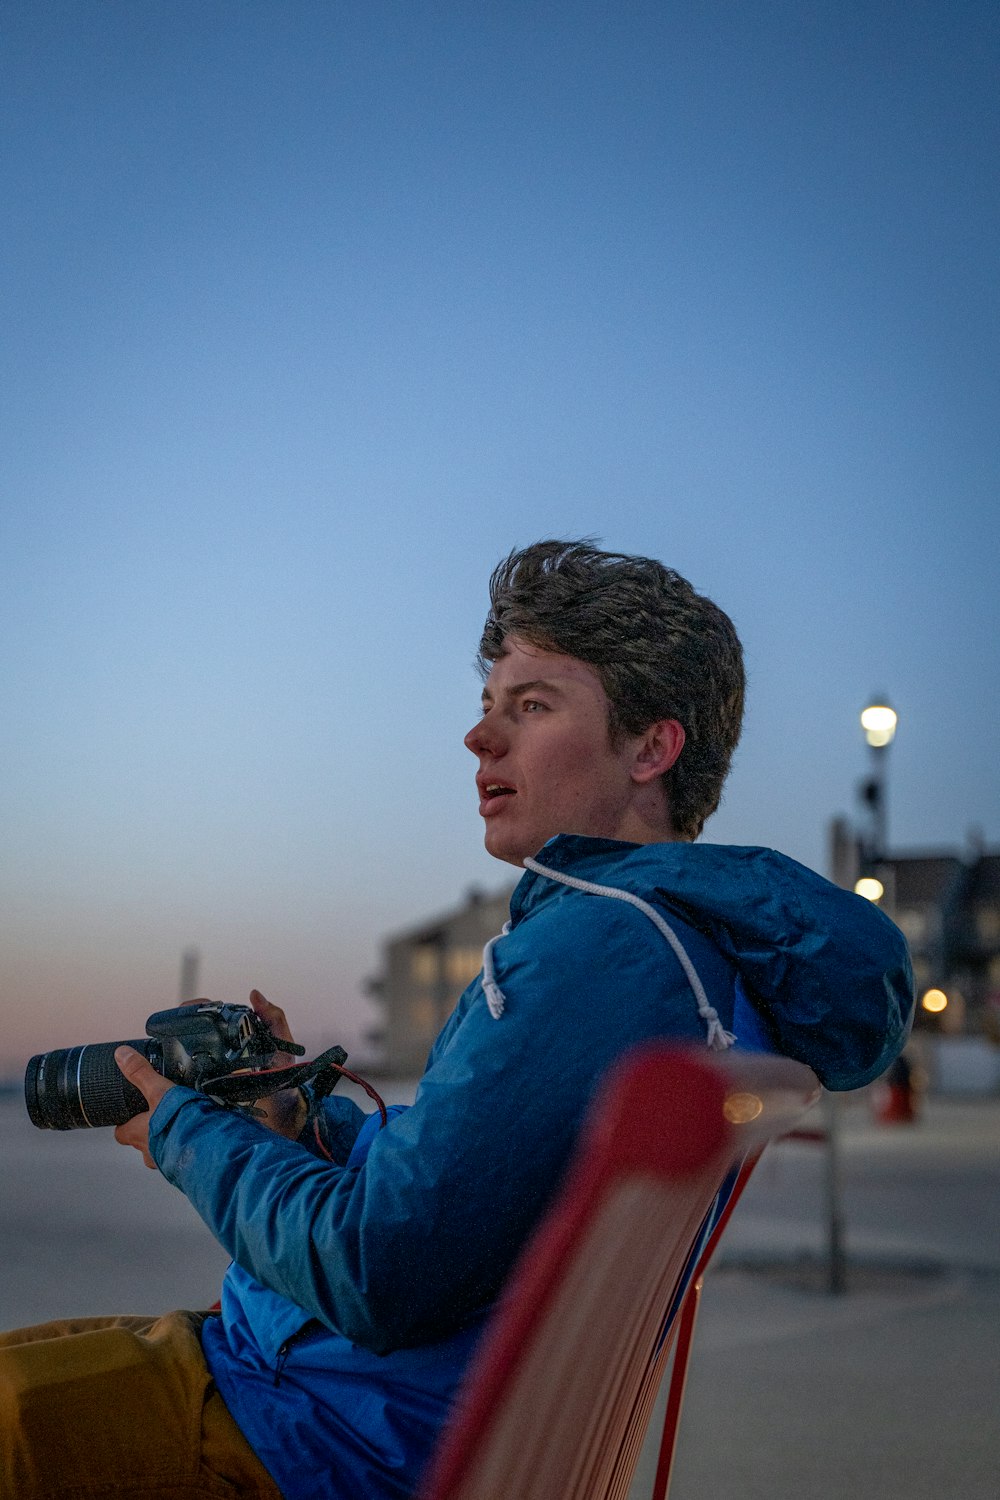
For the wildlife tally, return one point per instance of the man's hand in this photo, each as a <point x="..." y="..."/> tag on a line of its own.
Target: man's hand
<point x="152" y="1085"/>
<point x="284" y="1112"/>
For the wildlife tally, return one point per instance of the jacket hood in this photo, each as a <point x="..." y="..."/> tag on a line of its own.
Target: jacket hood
<point x="827" y="971"/>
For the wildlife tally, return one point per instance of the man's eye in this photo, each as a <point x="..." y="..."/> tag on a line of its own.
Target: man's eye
<point x="530" y="704"/>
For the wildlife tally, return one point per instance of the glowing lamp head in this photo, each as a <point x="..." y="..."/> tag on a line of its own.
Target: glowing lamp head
<point x="870" y="888"/>
<point x="935" y="1001"/>
<point x="879" y="722"/>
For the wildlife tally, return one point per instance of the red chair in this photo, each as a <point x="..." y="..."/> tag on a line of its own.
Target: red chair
<point x="558" y="1400"/>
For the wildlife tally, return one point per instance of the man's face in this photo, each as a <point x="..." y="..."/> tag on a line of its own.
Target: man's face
<point x="546" y="763"/>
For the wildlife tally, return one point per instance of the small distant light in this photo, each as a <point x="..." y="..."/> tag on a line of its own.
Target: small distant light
<point x="740" y="1109"/>
<point x="935" y="1001"/>
<point x="879" y="722"/>
<point x="870" y="888"/>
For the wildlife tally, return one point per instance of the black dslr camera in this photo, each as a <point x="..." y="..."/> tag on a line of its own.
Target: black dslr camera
<point x="205" y="1046"/>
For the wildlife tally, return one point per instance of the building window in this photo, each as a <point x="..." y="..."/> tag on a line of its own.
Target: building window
<point x="425" y="964"/>
<point x="463" y="964"/>
<point x="913" y="924"/>
<point x="988" y="924"/>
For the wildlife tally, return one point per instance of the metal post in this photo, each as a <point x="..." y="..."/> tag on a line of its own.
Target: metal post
<point x="880" y="811"/>
<point x="836" y="1253"/>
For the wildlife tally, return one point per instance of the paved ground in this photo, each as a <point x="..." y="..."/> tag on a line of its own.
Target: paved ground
<point x="890" y="1390"/>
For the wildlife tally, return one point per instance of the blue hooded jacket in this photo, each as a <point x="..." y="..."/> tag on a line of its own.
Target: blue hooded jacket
<point x="358" y="1290"/>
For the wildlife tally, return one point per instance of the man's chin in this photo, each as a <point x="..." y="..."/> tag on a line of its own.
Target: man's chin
<point x="506" y="849"/>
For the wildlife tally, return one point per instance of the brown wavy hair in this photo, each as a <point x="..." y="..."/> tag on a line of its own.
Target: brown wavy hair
<point x="661" y="650"/>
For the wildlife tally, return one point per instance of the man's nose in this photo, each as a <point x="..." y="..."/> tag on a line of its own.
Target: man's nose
<point x="484" y="739"/>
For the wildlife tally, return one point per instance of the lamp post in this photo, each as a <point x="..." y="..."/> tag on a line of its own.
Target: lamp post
<point x="878" y="720"/>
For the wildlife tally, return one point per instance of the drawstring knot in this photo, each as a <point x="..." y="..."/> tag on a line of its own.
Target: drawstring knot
<point x="492" y="991"/>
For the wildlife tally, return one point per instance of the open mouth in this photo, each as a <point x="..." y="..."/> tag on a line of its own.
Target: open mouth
<point x="495" y="789"/>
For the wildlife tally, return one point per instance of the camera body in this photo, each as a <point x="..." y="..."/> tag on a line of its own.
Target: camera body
<point x="76" y="1087"/>
<point x="207" y="1040"/>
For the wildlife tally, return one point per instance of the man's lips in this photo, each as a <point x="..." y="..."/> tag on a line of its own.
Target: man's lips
<point x="493" y="795"/>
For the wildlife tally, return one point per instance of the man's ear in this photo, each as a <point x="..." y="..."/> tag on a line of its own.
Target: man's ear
<point x="657" y="750"/>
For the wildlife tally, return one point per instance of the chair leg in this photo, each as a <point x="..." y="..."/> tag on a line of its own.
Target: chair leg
<point x="675" y="1394"/>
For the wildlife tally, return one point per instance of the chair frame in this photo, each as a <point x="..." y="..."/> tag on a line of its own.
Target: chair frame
<point x="667" y="1149"/>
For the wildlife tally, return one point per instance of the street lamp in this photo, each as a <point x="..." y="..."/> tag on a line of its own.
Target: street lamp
<point x="878" y="720"/>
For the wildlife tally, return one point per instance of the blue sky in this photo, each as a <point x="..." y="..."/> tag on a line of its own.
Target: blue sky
<point x="312" y="311"/>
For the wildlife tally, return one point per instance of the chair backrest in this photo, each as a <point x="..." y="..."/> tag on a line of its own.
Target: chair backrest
<point x="557" y="1401"/>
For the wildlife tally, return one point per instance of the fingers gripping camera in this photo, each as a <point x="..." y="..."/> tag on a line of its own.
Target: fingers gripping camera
<point x="196" y="1045"/>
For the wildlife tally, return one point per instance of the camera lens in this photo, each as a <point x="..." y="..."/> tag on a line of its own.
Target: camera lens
<point x="76" y="1087"/>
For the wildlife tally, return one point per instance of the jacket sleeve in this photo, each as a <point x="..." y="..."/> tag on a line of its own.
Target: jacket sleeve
<point x="416" y="1241"/>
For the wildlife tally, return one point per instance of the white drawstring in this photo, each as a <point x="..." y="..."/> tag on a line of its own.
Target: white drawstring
<point x="492" y="991"/>
<point x="718" y="1037"/>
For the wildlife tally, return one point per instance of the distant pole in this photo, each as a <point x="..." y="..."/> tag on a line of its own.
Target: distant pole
<point x="190" y="964"/>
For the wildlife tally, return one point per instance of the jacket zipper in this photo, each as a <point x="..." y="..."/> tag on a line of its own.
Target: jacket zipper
<point x="282" y="1360"/>
<point x="285" y="1349"/>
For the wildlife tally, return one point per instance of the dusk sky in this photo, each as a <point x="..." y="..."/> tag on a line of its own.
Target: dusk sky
<point x="312" y="311"/>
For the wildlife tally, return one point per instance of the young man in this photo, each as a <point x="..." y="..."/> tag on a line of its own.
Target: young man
<point x="361" y="1279"/>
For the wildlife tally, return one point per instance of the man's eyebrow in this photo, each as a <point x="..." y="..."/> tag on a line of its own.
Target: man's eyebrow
<point x="536" y="684"/>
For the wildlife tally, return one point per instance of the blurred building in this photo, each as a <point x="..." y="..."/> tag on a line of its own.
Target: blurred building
<point x="949" y="910"/>
<point x="948" y="907"/>
<point x="423" y="973"/>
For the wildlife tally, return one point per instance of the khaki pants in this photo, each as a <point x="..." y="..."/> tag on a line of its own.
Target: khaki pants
<point x="102" y="1407"/>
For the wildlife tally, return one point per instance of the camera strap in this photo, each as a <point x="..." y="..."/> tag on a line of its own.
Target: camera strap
<point x="243" y="1088"/>
<point x="236" y="1090"/>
